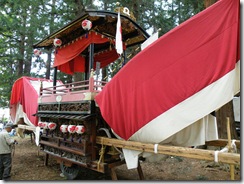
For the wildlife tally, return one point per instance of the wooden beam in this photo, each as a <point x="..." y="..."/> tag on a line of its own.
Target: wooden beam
<point x="221" y="143"/>
<point x="229" y="158"/>
<point x="27" y="127"/>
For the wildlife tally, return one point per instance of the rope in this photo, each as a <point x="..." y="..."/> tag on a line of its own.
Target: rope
<point x="225" y="149"/>
<point x="156" y="148"/>
<point x="233" y="145"/>
<point x="109" y="136"/>
<point x="101" y="153"/>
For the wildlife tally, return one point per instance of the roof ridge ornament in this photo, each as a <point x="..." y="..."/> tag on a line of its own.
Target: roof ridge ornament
<point x="125" y="11"/>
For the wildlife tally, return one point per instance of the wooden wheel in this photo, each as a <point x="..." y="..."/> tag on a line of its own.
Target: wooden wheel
<point x="70" y="172"/>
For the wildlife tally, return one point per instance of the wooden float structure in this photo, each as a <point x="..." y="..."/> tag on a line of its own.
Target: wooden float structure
<point x="75" y="104"/>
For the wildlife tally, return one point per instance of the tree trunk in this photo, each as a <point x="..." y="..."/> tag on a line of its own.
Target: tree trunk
<point x="78" y="11"/>
<point x="208" y="3"/>
<point x="30" y="39"/>
<point x="21" y="57"/>
<point x="221" y="115"/>
<point x="22" y="48"/>
<point x="49" y="52"/>
<point x="80" y="7"/>
<point x="135" y="9"/>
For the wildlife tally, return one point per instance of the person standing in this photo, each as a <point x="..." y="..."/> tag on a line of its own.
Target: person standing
<point x="6" y="142"/>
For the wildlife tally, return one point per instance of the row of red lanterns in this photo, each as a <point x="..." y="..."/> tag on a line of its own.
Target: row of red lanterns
<point x="79" y="129"/>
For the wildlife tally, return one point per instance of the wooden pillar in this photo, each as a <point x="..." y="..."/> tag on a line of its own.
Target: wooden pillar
<point x="91" y="57"/>
<point x="31" y="137"/>
<point x="93" y="139"/>
<point x="232" y="166"/>
<point x="113" y="174"/>
<point x="46" y="159"/>
<point x="139" y="170"/>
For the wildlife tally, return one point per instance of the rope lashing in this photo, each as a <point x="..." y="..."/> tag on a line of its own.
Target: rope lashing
<point x="155" y="148"/>
<point x="101" y="153"/>
<point x="225" y="150"/>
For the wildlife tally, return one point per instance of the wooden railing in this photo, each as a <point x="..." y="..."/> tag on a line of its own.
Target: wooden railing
<point x="90" y="85"/>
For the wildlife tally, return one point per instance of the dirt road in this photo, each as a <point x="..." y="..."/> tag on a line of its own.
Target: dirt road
<point x="28" y="164"/>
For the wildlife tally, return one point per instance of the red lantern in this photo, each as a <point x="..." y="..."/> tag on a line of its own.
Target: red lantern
<point x="86" y="24"/>
<point x="37" y="52"/>
<point x="40" y="124"/>
<point x="64" y="128"/>
<point x="52" y="125"/>
<point x="80" y="129"/>
<point x="71" y="129"/>
<point x="57" y="42"/>
<point x="45" y="125"/>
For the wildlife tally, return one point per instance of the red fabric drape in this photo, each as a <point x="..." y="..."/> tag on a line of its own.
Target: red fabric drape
<point x="17" y="91"/>
<point x="25" y="94"/>
<point x="29" y="101"/>
<point x="75" y="65"/>
<point x="105" y="58"/>
<point x="174" y="68"/>
<point x="68" y="58"/>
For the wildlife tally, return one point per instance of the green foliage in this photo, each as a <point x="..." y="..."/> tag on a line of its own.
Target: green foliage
<point x="24" y="23"/>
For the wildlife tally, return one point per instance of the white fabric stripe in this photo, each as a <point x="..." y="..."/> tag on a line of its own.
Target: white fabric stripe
<point x="192" y="109"/>
<point x="178" y="118"/>
<point x="21" y="114"/>
<point x="197" y="133"/>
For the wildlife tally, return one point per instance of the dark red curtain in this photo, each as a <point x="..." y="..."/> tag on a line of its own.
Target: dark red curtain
<point x="68" y="58"/>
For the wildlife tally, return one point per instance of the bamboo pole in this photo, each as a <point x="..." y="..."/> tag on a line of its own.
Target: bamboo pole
<point x="232" y="166"/>
<point x="228" y="158"/>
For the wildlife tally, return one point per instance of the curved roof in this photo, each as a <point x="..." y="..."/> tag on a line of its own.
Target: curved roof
<point x="104" y="23"/>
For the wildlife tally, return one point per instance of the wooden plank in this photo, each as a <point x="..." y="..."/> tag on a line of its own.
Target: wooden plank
<point x="221" y="143"/>
<point x="229" y="158"/>
<point x="116" y="163"/>
<point x="26" y="127"/>
<point x="68" y="162"/>
<point x="61" y="147"/>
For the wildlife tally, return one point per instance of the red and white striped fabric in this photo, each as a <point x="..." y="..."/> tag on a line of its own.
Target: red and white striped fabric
<point x="177" y="80"/>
